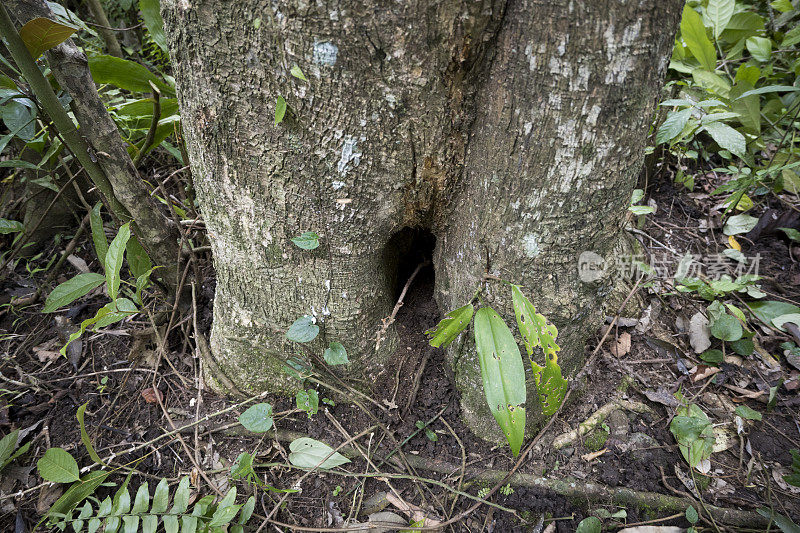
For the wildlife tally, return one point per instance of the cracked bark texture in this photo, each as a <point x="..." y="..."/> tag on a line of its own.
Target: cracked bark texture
<point x="512" y="130"/>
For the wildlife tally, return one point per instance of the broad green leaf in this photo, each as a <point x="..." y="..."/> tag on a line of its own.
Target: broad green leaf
<point x="726" y="328"/>
<point x="7" y="447"/>
<point x="58" y="466"/>
<point x="743" y="347"/>
<point x="641" y="209"/>
<point x="303" y="330"/>
<point x="747" y="413"/>
<point x="243" y="466"/>
<point x="85" y="435"/>
<point x="41" y="34"/>
<point x="537" y="332"/>
<point x="712" y="356"/>
<point x="449" y="327"/>
<point x="125" y="74"/>
<point x="16" y="163"/>
<point x="590" y="524"/>
<point x="151" y="16"/>
<point x="738" y="224"/>
<point x="141" y="503"/>
<point x="771" y="89"/>
<point x="768" y="310"/>
<point x="308" y="401"/>
<point x="741" y="26"/>
<point x="257" y="418"/>
<point x="98" y="234"/>
<point x="138" y="260"/>
<point x="280" y="109"/>
<point x="748" y="108"/>
<point x="791" y="37"/>
<point x="503" y="375"/>
<point x="298" y="73"/>
<point x="712" y="82"/>
<point x="310" y="453"/>
<point x="10" y="226"/>
<point x="760" y="48"/>
<point x="694" y="433"/>
<point x="335" y="354"/>
<point x="784" y="523"/>
<point x="792" y="233"/>
<point x="226" y="510"/>
<point x="307" y="241"/>
<point x="161" y="497"/>
<point x="180" y="501"/>
<point x="694" y="34"/>
<point x="747" y="73"/>
<point x="114" y="257"/>
<point x="780" y="320"/>
<point x="673" y="125"/>
<point x="19" y="115"/>
<point x="720" y="13"/>
<point x="247" y="510"/>
<point x="784" y="6"/>
<point x="119" y="309"/>
<point x="691" y="515"/>
<point x="78" y="492"/>
<point x="71" y="290"/>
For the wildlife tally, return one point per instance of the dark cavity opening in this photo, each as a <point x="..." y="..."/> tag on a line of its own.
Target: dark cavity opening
<point x="406" y="250"/>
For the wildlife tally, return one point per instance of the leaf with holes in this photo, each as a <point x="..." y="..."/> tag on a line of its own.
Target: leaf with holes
<point x="449" y="327"/>
<point x="503" y="375"/>
<point x="537" y="333"/>
<point x="41" y="34"/>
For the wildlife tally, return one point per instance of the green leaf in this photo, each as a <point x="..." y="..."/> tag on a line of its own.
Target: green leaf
<point x="743" y="347"/>
<point x="739" y="224"/>
<point x="161" y="497"/>
<point x="720" y="13"/>
<point x="503" y="375"/>
<point x="98" y="234"/>
<point x="694" y="433"/>
<point x="114" y="257"/>
<point x="138" y="260"/>
<point x="142" y="500"/>
<point x="451" y="326"/>
<point x="307" y="241"/>
<point x="673" y="125"/>
<point x="726" y="328"/>
<point x="10" y="226"/>
<point x="741" y="26"/>
<point x="41" y="34"/>
<point x="58" y="466"/>
<point x="537" y="332"/>
<point x="641" y="209"/>
<point x="85" y="436"/>
<point x="125" y="74"/>
<point x="768" y="310"/>
<point x="712" y="82"/>
<point x="590" y="524"/>
<point x="335" y="354"/>
<point x="280" y="110"/>
<point x="771" y="89"/>
<point x="71" y="290"/>
<point x="727" y="137"/>
<point x="691" y="515"/>
<point x="243" y="466"/>
<point x="303" y="330"/>
<point x="257" y="418"/>
<point x="747" y="413"/>
<point x="780" y="320"/>
<point x="785" y="523"/>
<point x="712" y="356"/>
<point x="19" y="116"/>
<point x="791" y="37"/>
<point x="792" y="233"/>
<point x="308" y="401"/>
<point x="760" y="48"/>
<point x="247" y="510"/>
<point x="78" y="492"/>
<point x="297" y="73"/>
<point x="7" y="447"/>
<point x="16" y="163"/>
<point x="694" y="34"/>
<point x="151" y="15"/>
<point x="180" y="501"/>
<point x="310" y="453"/>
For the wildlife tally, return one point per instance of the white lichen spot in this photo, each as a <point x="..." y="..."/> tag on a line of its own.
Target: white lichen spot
<point x="515" y="204"/>
<point x="619" y="52"/>
<point x="530" y="56"/>
<point x="337" y="185"/>
<point x="325" y="53"/>
<point x="350" y="158"/>
<point x="344" y="295"/>
<point x="327" y="284"/>
<point x="528" y="126"/>
<point x="530" y="245"/>
<point x="333" y="14"/>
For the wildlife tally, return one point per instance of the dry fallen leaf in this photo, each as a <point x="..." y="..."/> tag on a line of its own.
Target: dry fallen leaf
<point x="622" y="345"/>
<point x="703" y="371"/>
<point x="152" y="395"/>
<point x="594" y="455"/>
<point x="699" y="334"/>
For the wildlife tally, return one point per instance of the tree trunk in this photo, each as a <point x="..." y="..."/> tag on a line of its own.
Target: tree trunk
<point x="512" y="131"/>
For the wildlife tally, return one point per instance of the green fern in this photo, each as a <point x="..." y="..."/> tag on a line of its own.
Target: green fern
<point x="145" y="513"/>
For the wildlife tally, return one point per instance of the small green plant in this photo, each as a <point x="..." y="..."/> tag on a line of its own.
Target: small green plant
<point x="507" y="490"/>
<point x="308" y="401"/>
<point x="695" y="435"/>
<point x="337" y="490"/>
<point x="432" y="436"/>
<point x="502" y="370"/>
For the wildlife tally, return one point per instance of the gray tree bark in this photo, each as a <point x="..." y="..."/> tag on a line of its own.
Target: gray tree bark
<point x="512" y="130"/>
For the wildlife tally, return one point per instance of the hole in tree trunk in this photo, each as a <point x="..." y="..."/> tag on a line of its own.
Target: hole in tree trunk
<point x="405" y="250"/>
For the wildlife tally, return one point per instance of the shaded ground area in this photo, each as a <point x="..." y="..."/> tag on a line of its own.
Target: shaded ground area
<point x="413" y="413"/>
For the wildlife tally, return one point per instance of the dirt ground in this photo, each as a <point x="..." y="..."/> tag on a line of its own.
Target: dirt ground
<point x="643" y="361"/>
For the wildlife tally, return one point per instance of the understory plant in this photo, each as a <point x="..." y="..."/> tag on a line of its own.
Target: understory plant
<point x="502" y="370"/>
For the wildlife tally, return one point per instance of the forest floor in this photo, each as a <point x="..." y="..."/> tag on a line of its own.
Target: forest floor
<point x="643" y="362"/>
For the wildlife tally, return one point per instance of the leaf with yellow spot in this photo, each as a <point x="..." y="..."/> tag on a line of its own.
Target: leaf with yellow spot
<point x="734" y="243"/>
<point x="537" y="333"/>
